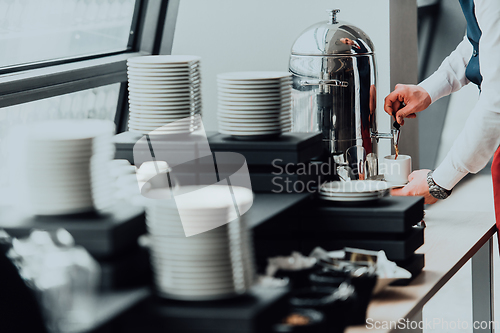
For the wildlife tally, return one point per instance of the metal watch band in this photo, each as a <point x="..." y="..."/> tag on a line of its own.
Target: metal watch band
<point x="435" y="190"/>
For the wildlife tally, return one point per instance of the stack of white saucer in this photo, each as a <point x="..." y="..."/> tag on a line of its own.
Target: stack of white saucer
<point x="252" y="104"/>
<point x="62" y="167"/>
<point x="164" y="90"/>
<point x="354" y="191"/>
<point x="209" y="265"/>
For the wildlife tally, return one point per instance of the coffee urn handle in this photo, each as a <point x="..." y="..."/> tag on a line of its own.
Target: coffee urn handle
<point x="336" y="83"/>
<point x="333" y="15"/>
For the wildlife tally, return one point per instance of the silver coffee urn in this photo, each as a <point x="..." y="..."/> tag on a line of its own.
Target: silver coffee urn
<point x="335" y="92"/>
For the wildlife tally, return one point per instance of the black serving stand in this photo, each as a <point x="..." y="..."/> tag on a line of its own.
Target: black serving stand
<point x="254" y="312"/>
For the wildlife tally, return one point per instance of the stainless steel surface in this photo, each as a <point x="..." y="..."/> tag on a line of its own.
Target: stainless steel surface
<point x="334" y="83"/>
<point x="333" y="38"/>
<point x="356" y="159"/>
<point x="395" y="136"/>
<point x="482" y="288"/>
<point x="371" y="166"/>
<point x="334" y="86"/>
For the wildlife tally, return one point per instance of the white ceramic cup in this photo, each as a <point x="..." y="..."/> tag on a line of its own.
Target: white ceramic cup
<point x="396" y="171"/>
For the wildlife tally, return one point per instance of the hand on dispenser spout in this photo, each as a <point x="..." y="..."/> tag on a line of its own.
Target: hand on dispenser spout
<point x="416" y="99"/>
<point x="417" y="186"/>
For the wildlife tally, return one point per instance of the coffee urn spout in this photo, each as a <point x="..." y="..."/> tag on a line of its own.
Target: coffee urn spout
<point x="394" y="135"/>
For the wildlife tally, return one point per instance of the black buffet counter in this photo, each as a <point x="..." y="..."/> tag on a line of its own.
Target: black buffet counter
<point x="281" y="223"/>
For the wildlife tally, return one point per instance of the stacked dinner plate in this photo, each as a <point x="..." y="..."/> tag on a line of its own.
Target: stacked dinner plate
<point x="210" y="265"/>
<point x="164" y="90"/>
<point x="62" y="167"/>
<point x="354" y="191"/>
<point x="254" y="104"/>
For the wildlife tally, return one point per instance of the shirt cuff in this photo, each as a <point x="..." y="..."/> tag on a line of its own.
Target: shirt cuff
<point x="436" y="85"/>
<point x="446" y="175"/>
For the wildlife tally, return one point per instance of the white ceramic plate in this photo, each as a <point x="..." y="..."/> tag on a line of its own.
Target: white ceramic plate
<point x="176" y="114"/>
<point x="238" y="99"/>
<point x="186" y="71"/>
<point x="160" y="80"/>
<point x="160" y="104"/>
<point x="239" y="93"/>
<point x="248" y="133"/>
<point x="158" y="129"/>
<point x="163" y="99"/>
<point x="356" y="199"/>
<point x="164" y="76"/>
<point x="157" y="132"/>
<point x="272" y="112"/>
<point x="276" y="120"/>
<point x="285" y="101"/>
<point x="252" y="126"/>
<point x="159" y="83"/>
<point x="172" y="82"/>
<point x="167" y="88"/>
<point x="355" y="186"/>
<point x="164" y="59"/>
<point x="167" y="109"/>
<point x="169" y="125"/>
<point x="254" y="83"/>
<point x="156" y="94"/>
<point x="261" y="88"/>
<point x="283" y="107"/>
<point x="172" y="66"/>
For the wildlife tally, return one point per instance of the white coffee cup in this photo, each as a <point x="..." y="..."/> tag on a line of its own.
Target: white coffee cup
<point x="396" y="171"/>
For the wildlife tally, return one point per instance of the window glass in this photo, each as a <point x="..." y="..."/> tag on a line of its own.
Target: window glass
<point x="97" y="103"/>
<point x="38" y="30"/>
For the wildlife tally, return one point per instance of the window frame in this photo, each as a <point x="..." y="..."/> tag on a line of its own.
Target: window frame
<point x="152" y="31"/>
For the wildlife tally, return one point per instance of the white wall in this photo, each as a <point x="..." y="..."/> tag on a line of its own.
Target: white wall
<point x="241" y="35"/>
<point x="461" y="104"/>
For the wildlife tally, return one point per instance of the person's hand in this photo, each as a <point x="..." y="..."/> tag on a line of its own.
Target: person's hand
<point x="417" y="186"/>
<point x="416" y="99"/>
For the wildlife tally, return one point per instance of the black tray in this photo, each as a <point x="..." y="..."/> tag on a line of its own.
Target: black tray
<point x="184" y="147"/>
<point x="106" y="235"/>
<point x="396" y="248"/>
<point x="252" y="313"/>
<point x="387" y="215"/>
<point x="291" y="148"/>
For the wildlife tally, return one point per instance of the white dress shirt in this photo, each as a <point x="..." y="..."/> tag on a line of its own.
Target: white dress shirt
<point x="480" y="137"/>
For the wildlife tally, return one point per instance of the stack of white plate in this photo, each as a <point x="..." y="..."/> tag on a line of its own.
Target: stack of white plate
<point x="211" y="265"/>
<point x="354" y="191"/>
<point x="254" y="104"/>
<point x="63" y="166"/>
<point x="162" y="91"/>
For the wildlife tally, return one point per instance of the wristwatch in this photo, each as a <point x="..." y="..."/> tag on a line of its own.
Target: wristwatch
<point x="435" y="190"/>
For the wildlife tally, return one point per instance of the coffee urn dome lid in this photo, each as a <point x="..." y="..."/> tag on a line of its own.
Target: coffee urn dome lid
<point x="333" y="38"/>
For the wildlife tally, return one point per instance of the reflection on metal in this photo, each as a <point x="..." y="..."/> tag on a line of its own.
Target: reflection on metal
<point x="425" y="3"/>
<point x="334" y="88"/>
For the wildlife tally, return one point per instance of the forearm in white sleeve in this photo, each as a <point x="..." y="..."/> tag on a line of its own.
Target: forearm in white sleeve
<point x="480" y="137"/>
<point x="450" y="76"/>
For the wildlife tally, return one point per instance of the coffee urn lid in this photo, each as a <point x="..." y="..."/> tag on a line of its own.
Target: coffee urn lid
<point x="333" y="37"/>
